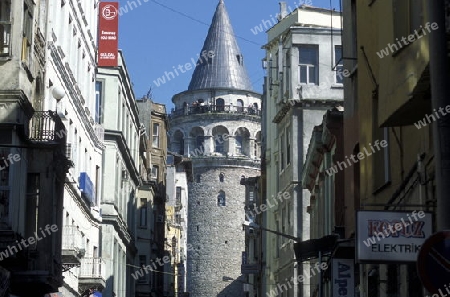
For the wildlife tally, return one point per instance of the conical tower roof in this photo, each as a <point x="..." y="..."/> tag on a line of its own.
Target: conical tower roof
<point x="226" y="68"/>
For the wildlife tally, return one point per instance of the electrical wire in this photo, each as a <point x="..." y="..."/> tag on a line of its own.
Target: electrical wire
<point x="200" y="21"/>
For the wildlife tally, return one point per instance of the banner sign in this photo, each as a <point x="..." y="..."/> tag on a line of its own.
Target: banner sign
<point x="390" y="236"/>
<point x="108" y="28"/>
<point x="343" y="276"/>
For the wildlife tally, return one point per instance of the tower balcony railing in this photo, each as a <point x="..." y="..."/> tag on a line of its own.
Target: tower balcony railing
<point x="226" y="109"/>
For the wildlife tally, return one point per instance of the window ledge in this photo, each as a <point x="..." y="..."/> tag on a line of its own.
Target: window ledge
<point x="337" y="86"/>
<point x="5" y="58"/>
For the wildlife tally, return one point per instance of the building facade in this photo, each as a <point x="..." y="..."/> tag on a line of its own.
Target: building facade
<point x="153" y="117"/>
<point x="326" y="206"/>
<point x="121" y="161"/>
<point x="389" y="98"/>
<point x="33" y="146"/>
<point x="216" y="123"/>
<point x="302" y="54"/>
<point x="179" y="173"/>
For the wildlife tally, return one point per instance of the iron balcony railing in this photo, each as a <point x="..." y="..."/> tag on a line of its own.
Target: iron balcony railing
<point x="92" y="267"/>
<point x="188" y="110"/>
<point x="71" y="238"/>
<point x="46" y="126"/>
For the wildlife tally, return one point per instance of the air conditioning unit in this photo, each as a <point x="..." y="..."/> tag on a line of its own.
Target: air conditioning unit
<point x="69" y="151"/>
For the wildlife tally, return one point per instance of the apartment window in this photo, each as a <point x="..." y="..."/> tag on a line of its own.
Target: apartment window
<point x="221" y="199"/>
<point x="155" y="172"/>
<point x="99" y="102"/>
<point x="287" y="83"/>
<point x="408" y="16"/>
<point x="339" y="64"/>
<point x="5" y="27"/>
<point x="178" y="196"/>
<point x="156" y="135"/>
<point x="143" y="213"/>
<point x="27" y="32"/>
<point x="143" y="263"/>
<point x="308" y="64"/>
<point x="282" y="151"/>
<point x="288" y="146"/>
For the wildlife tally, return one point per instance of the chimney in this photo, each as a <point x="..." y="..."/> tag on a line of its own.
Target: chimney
<point x="283" y="10"/>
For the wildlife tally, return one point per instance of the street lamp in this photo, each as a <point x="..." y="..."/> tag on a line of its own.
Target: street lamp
<point x="312" y="246"/>
<point x="256" y="226"/>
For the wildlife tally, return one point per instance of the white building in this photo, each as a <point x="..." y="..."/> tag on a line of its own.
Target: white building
<point x="71" y="30"/>
<point x="119" y="115"/>
<point x="302" y="83"/>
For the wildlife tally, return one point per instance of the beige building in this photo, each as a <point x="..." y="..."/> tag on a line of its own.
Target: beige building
<point x="387" y="98"/>
<point x="153" y="118"/>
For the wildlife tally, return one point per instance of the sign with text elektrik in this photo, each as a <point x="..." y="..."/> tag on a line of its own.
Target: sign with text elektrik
<point x="108" y="41"/>
<point x="391" y="236"/>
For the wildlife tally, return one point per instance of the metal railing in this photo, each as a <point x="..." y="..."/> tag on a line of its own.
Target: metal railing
<point x="92" y="267"/>
<point x="188" y="110"/>
<point x="46" y="126"/>
<point x="71" y="238"/>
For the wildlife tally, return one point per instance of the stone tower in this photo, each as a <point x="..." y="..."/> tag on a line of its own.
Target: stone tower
<point x="217" y="123"/>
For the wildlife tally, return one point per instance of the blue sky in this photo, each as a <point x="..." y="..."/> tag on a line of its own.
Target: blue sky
<point x="156" y="35"/>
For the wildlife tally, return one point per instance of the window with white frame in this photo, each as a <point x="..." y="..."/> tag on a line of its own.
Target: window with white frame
<point x="308" y="64"/>
<point x="99" y="102"/>
<point x="155" y="172"/>
<point x="339" y="64"/>
<point x="155" y="135"/>
<point x="5" y="27"/>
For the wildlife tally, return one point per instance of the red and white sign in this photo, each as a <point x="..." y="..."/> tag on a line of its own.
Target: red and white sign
<point x="391" y="236"/>
<point x="108" y="39"/>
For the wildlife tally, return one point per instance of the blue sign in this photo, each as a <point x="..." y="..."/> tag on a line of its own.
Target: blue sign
<point x="86" y="186"/>
<point x="97" y="294"/>
<point x="434" y="262"/>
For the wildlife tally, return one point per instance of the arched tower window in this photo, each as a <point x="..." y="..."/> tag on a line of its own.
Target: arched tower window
<point x="221" y="177"/>
<point x="221" y="199"/>
<point x="257" y="151"/>
<point x="220" y="104"/>
<point x="242" y="141"/>
<point x="220" y="136"/>
<point x="177" y="144"/>
<point x="240" y="105"/>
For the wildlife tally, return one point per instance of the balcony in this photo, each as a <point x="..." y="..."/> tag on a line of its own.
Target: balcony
<point x="225" y="109"/>
<point x="87" y="189"/>
<point x="71" y="247"/>
<point x="92" y="274"/>
<point x="46" y="128"/>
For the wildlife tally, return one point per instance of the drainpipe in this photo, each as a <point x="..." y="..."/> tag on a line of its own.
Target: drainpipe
<point x="440" y="98"/>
